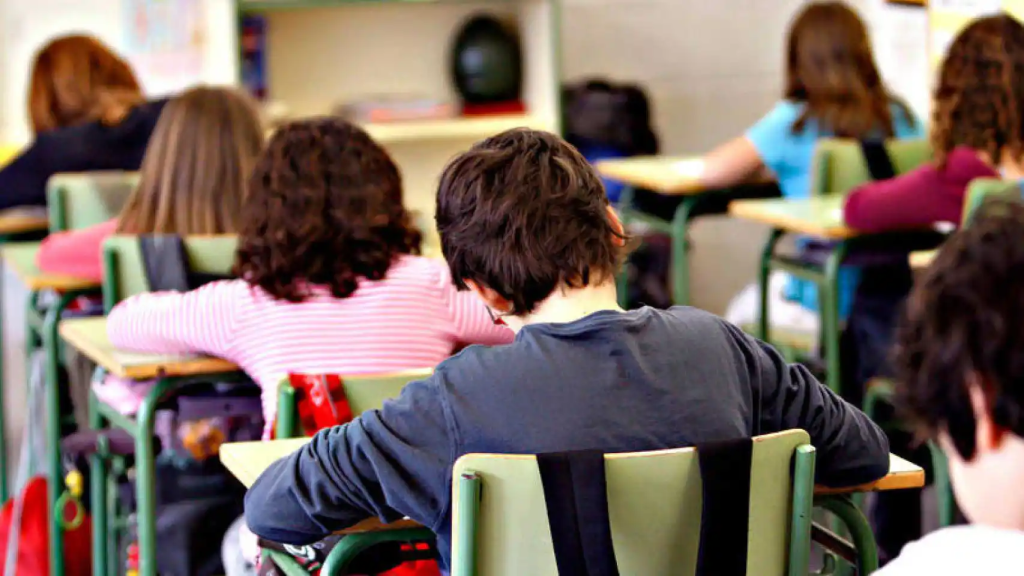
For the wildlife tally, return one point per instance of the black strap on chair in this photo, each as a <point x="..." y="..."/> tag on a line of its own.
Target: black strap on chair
<point x="576" y="495"/>
<point x="725" y="516"/>
<point x="166" y="264"/>
<point x="879" y="162"/>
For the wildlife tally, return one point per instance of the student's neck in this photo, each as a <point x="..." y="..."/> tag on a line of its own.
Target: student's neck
<point x="1006" y="510"/>
<point x="568" y="305"/>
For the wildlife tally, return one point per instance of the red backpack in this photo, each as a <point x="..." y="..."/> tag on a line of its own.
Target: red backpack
<point x="33" y="534"/>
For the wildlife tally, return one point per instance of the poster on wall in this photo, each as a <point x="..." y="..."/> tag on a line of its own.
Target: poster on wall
<point x="165" y="42"/>
<point x="947" y="17"/>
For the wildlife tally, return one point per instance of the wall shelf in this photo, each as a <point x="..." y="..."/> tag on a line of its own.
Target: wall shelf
<point x="473" y="128"/>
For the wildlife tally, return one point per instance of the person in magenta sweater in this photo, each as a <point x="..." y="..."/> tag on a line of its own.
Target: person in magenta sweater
<point x="977" y="132"/>
<point x="193" y="180"/>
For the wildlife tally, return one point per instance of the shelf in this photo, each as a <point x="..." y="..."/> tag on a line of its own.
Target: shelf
<point x="452" y="129"/>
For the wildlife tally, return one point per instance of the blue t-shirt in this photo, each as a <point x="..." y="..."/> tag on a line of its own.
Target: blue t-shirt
<point x="789" y="156"/>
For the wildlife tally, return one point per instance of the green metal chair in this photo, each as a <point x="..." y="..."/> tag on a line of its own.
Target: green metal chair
<point x="124" y="276"/>
<point x="983" y="189"/>
<point x="838" y="167"/>
<point x="500" y="523"/>
<point x="364" y="392"/>
<point x="80" y="200"/>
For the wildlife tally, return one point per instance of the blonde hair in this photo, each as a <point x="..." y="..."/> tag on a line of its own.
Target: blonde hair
<point x="194" y="175"/>
<point x="77" y="79"/>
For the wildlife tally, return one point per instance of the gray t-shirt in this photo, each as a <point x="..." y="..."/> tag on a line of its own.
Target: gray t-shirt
<point x="618" y="382"/>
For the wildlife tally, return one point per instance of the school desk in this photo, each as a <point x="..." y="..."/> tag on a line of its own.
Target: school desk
<point x="670" y="176"/>
<point x="247" y="460"/>
<point x="89" y="336"/>
<point x="820" y="217"/>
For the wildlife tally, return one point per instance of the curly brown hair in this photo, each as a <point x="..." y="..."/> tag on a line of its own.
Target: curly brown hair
<point x="324" y="208"/>
<point x="963" y="322"/>
<point x="977" y="101"/>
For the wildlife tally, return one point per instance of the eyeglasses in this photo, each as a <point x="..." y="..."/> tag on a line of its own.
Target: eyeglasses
<point x="495" y="318"/>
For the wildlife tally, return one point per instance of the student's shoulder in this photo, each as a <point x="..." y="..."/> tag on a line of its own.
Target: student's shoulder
<point x="776" y="125"/>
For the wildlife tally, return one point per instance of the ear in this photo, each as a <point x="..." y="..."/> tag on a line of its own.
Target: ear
<point x="492" y="299"/>
<point x="619" y="238"/>
<point x="988" y="436"/>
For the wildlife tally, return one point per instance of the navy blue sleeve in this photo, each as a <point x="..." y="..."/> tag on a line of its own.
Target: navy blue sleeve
<point x="851" y="449"/>
<point x="390" y="463"/>
<point x="23" y="181"/>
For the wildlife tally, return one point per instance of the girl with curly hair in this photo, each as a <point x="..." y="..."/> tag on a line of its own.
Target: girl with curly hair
<point x="977" y="132"/>
<point x="329" y="280"/>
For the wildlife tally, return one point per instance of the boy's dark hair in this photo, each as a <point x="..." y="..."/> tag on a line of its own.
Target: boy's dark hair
<point x="324" y="207"/>
<point x="965" y="321"/>
<point x="523" y="212"/>
<point x="980" y="90"/>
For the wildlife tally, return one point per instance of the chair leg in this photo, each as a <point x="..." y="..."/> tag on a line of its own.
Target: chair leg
<point x="98" y="491"/>
<point x="859" y="529"/>
<point x="943" y="486"/>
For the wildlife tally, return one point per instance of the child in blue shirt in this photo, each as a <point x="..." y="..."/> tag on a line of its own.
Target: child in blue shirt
<point x="833" y="89"/>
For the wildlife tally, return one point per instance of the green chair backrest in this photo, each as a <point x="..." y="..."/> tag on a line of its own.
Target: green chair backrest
<point x="839" y="164"/>
<point x="982" y="189"/>
<point x="80" y="200"/>
<point x="124" y="274"/>
<point x="500" y="526"/>
<point x="363" y="391"/>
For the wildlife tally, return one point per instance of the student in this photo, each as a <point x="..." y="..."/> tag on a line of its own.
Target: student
<point x="832" y="89"/>
<point x="960" y="358"/>
<point x="328" y="277"/>
<point x="193" y="180"/>
<point x="87" y="113"/>
<point x="525" y="224"/>
<point x="977" y="132"/>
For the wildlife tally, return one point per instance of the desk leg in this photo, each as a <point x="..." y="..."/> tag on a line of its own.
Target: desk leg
<point x="622" y="278"/>
<point x="54" y="469"/>
<point x="857" y="525"/>
<point x="763" y="275"/>
<point x="680" y="258"/>
<point x="145" y="476"/>
<point x="98" y="491"/>
<point x="3" y="380"/>
<point x="828" y="300"/>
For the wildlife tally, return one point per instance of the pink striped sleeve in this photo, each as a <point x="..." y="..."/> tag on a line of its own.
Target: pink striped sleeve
<point x="473" y="325"/>
<point x="200" y="321"/>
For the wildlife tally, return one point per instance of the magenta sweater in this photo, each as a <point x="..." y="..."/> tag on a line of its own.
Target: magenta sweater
<point x="918" y="198"/>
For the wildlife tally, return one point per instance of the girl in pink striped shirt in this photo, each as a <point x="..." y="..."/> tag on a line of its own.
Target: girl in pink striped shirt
<point x="329" y="276"/>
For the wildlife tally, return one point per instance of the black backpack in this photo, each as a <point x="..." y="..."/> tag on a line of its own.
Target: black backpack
<point x="598" y="113"/>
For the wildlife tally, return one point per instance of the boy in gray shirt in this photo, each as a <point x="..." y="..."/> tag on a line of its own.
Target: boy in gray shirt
<point x="524" y="223"/>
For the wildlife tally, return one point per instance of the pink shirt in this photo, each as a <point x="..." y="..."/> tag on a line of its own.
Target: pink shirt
<point x="414" y="318"/>
<point x="76" y="253"/>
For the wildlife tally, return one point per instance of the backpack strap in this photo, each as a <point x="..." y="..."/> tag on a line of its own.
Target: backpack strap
<point x="878" y="160"/>
<point x="576" y="495"/>
<point x="725" y="516"/>
<point x="164" y="262"/>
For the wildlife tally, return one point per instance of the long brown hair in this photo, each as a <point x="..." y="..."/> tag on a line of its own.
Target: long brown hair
<point x="194" y="175"/>
<point x="979" y="94"/>
<point x="78" y="79"/>
<point x="831" y="69"/>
